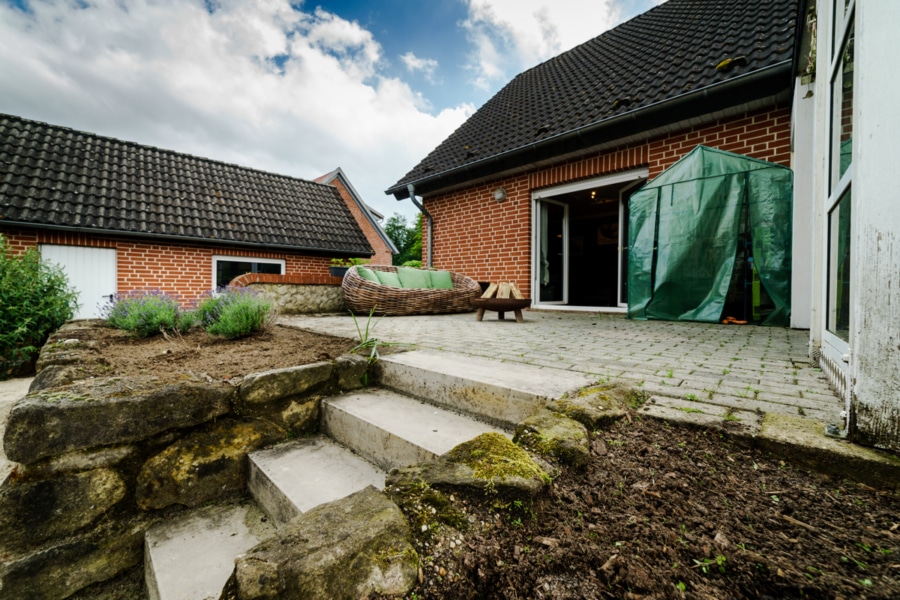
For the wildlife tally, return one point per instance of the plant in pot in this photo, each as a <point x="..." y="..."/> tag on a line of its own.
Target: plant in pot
<point x="339" y="266"/>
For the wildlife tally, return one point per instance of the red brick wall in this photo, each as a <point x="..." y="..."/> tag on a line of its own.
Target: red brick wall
<point x="383" y="254"/>
<point x="491" y="241"/>
<point x="183" y="269"/>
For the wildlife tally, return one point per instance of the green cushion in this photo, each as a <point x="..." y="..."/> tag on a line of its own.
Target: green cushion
<point x="367" y="274"/>
<point x="441" y="280"/>
<point x="414" y="278"/>
<point x="388" y="278"/>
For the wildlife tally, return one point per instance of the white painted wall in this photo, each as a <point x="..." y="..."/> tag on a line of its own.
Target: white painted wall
<point x="802" y="161"/>
<point x="875" y="321"/>
<point x="91" y="271"/>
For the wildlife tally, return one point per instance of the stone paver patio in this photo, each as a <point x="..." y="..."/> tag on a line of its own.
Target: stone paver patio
<point x="720" y="367"/>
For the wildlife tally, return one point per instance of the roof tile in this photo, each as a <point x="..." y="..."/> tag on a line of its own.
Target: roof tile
<point x="663" y="53"/>
<point x="56" y="176"/>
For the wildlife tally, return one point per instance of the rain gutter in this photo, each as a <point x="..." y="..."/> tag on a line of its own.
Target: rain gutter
<point x="761" y="83"/>
<point x="411" y="189"/>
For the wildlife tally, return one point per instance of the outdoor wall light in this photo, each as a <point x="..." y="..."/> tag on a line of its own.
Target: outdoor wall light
<point x="500" y="194"/>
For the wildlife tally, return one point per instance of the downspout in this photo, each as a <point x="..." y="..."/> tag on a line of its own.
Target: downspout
<point x="430" y="250"/>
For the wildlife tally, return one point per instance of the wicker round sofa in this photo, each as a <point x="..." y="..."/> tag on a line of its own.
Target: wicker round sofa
<point x="362" y="295"/>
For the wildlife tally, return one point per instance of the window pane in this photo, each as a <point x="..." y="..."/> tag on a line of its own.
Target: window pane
<point x="839" y="269"/>
<point x="226" y="270"/>
<point x="842" y="113"/>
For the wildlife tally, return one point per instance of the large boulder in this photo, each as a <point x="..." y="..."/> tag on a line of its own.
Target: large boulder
<point x="289" y="397"/>
<point x="595" y="407"/>
<point x="60" y="568"/>
<point x="489" y="463"/>
<point x="107" y="412"/>
<point x="204" y="465"/>
<point x="351" y="548"/>
<point x="557" y="436"/>
<point x="34" y="511"/>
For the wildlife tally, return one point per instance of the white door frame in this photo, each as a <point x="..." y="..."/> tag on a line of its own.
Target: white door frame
<point x="623" y="243"/>
<point x="535" y="258"/>
<point x="633" y="177"/>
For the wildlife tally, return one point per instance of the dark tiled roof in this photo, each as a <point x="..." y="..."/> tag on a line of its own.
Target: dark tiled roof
<point x="55" y="176"/>
<point x="669" y="51"/>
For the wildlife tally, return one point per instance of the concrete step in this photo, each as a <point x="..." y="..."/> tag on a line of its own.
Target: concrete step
<point x="393" y="430"/>
<point x="501" y="392"/>
<point x="192" y="556"/>
<point x="292" y="478"/>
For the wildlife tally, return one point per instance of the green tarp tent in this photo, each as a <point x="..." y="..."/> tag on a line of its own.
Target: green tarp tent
<point x="684" y="229"/>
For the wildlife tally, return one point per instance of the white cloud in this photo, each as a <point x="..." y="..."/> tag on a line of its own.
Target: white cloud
<point x="510" y="36"/>
<point x="427" y="66"/>
<point x="255" y="82"/>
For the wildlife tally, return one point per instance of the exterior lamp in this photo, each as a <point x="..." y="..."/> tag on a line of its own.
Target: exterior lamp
<point x="500" y="194"/>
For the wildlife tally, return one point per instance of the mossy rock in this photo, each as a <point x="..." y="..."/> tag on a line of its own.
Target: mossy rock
<point x="204" y="465"/>
<point x="489" y="463"/>
<point x="351" y="548"/>
<point x="555" y="436"/>
<point x="595" y="407"/>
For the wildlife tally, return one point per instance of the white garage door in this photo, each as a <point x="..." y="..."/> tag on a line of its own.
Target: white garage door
<point x="91" y="271"/>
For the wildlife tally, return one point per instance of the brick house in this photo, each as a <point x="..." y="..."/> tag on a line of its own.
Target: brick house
<point x="553" y="157"/>
<point x="801" y="84"/>
<point x="368" y="218"/>
<point x="119" y="216"/>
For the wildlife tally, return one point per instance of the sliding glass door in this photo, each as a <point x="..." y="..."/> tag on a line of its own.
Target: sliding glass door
<point x="552" y="252"/>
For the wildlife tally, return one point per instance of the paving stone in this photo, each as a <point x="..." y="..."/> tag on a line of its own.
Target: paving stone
<point x="631" y="351"/>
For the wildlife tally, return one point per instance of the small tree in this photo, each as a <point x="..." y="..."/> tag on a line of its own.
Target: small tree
<point x="35" y="300"/>
<point x="407" y="238"/>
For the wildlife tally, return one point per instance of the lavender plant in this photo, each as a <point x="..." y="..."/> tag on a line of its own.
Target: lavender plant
<point x="142" y="312"/>
<point x="235" y="312"/>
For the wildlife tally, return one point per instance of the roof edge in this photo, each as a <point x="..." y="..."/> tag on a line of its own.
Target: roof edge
<point x="181" y="238"/>
<point x="366" y="210"/>
<point x="749" y="80"/>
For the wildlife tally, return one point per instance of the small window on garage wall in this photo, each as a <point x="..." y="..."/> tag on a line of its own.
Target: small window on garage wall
<point x="226" y="268"/>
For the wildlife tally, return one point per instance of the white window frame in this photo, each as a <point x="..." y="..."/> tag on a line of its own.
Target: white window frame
<point x="836" y="347"/>
<point x="233" y="258"/>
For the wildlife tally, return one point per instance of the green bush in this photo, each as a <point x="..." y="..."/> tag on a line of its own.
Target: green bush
<point x="35" y="300"/>
<point x="235" y="313"/>
<point x="210" y="307"/>
<point x="416" y="264"/>
<point x="142" y="312"/>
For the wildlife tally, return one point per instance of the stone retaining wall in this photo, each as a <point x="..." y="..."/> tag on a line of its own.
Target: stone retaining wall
<point x="100" y="460"/>
<point x="297" y="294"/>
<point x="294" y="299"/>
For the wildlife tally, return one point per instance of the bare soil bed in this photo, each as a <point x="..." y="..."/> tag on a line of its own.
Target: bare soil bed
<point x="670" y="512"/>
<point x="197" y="352"/>
<point x="660" y="512"/>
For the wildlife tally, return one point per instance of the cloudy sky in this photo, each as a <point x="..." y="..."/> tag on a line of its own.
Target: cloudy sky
<point x="297" y="88"/>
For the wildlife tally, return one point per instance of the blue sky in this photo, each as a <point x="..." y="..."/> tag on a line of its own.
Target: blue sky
<point x="297" y="88"/>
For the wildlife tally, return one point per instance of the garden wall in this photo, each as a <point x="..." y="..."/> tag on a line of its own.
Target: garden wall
<point x="297" y="294"/>
<point x="101" y="460"/>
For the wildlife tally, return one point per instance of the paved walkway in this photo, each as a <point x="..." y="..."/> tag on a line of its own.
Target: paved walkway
<point x="740" y="368"/>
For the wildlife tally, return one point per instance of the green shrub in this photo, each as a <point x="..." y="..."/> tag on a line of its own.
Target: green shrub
<point x="235" y="313"/>
<point x="416" y="264"/>
<point x="35" y="300"/>
<point x="142" y="312"/>
<point x="210" y="307"/>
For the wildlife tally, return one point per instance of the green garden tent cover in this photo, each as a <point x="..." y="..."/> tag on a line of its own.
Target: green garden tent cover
<point x="683" y="232"/>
